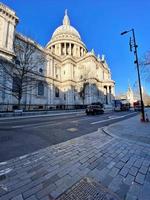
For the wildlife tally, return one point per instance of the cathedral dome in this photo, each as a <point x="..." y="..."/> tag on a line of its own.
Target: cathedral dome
<point x="66" y="40"/>
<point x="66" y="30"/>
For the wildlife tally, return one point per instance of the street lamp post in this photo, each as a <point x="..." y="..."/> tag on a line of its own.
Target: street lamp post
<point x="137" y="64"/>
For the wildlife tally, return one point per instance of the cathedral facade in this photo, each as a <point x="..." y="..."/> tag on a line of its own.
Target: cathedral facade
<point x="70" y="75"/>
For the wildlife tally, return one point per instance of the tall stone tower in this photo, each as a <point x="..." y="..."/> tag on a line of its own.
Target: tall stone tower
<point x="130" y="95"/>
<point x="8" y="21"/>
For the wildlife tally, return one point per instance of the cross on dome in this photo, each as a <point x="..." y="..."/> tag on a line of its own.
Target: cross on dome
<point x="66" y="20"/>
<point x="66" y="11"/>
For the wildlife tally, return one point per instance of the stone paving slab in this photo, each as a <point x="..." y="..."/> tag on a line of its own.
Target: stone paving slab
<point x="121" y="166"/>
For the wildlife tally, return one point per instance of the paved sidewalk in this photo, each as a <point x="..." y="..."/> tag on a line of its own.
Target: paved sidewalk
<point x="132" y="129"/>
<point x="121" y="165"/>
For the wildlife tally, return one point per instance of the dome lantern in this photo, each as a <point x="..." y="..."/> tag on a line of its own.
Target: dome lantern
<point x="66" y="20"/>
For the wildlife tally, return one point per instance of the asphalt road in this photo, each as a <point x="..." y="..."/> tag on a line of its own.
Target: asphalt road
<point x="22" y="136"/>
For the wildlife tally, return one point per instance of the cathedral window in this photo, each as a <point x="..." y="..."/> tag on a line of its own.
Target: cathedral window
<point x="56" y="92"/>
<point x="64" y="97"/>
<point x="41" y="88"/>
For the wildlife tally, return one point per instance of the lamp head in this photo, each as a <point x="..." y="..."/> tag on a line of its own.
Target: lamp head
<point x="124" y="32"/>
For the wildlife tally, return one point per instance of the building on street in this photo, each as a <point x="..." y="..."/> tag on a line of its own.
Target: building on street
<point x="61" y="74"/>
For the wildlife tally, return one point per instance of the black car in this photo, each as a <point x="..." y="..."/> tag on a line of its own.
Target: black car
<point x="94" y="109"/>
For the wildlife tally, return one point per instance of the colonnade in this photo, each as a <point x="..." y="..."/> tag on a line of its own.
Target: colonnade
<point x="108" y="93"/>
<point x="63" y="49"/>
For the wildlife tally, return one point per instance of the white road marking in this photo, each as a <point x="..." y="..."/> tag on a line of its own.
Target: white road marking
<point x="36" y="116"/>
<point x="3" y="163"/>
<point x="112" y="117"/>
<point x="106" y="120"/>
<point x="4" y="187"/>
<point x="36" y="160"/>
<point x="5" y="171"/>
<point x="72" y="129"/>
<point x="43" y="125"/>
<point x="22" y="157"/>
<point x="35" y="125"/>
<point x="83" y="119"/>
<point x="17" y="126"/>
<point x="27" y="163"/>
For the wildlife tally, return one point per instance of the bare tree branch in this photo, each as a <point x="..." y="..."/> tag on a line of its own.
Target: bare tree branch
<point x="145" y="66"/>
<point x="24" y="71"/>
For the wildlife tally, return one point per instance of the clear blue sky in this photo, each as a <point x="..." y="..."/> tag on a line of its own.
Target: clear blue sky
<point x="99" y="22"/>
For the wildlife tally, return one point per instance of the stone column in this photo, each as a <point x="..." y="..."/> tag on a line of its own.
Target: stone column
<point x="5" y="33"/>
<point x="50" y="63"/>
<point x="60" y="49"/>
<point x="113" y="91"/>
<point x="1" y="31"/>
<point x="10" y="37"/>
<point x="106" y="95"/>
<point x="51" y="93"/>
<point x="78" y="51"/>
<point x="90" y="93"/>
<point x="55" y="49"/>
<point x="74" y="50"/>
<point x="69" y="50"/>
<point x="52" y="49"/>
<point x="110" y="94"/>
<point x="81" y="51"/>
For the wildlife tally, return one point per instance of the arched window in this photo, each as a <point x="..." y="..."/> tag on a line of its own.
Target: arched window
<point x="41" y="88"/>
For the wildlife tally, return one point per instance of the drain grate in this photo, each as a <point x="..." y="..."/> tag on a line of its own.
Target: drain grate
<point x="88" y="189"/>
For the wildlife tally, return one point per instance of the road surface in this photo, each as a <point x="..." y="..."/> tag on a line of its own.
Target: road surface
<point x="23" y="136"/>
